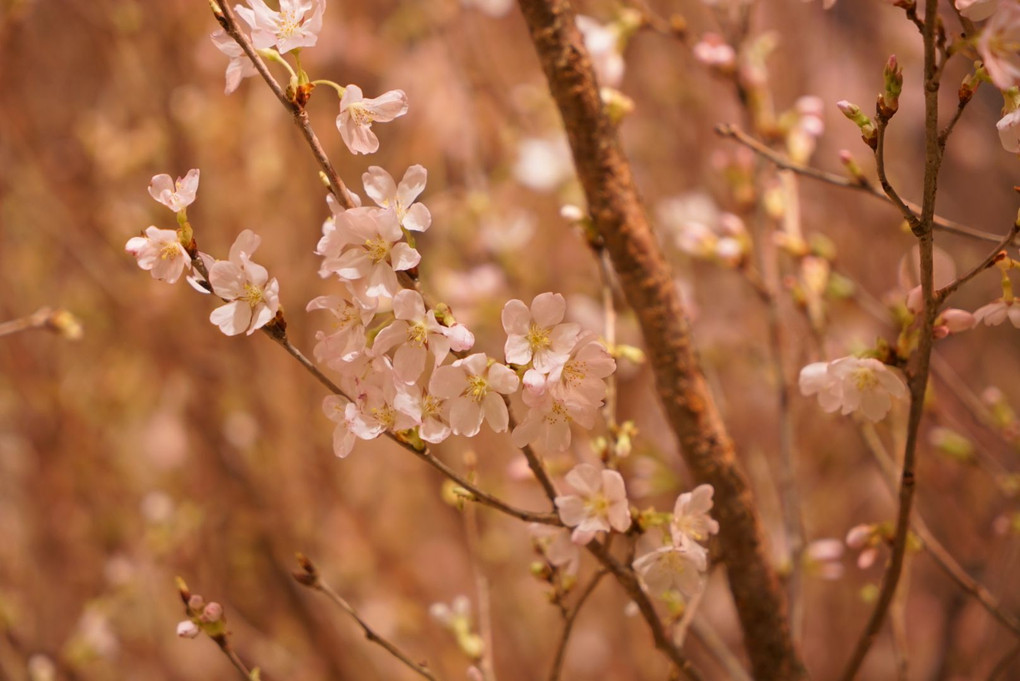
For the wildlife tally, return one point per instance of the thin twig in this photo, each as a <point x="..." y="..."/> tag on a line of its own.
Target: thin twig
<point x="278" y="335"/>
<point x="918" y="380"/>
<point x="59" y="321"/>
<point x="228" y="21"/>
<point x="309" y="576"/>
<point x="881" y="124"/>
<point x="715" y="644"/>
<point x="938" y="551"/>
<point x="948" y="226"/>
<point x="989" y="260"/>
<point x="629" y="581"/>
<point x="568" y="624"/>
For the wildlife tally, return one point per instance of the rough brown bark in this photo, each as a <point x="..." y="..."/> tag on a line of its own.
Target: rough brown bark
<point x="706" y="447"/>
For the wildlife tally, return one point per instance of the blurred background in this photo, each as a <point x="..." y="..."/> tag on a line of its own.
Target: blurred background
<point x="155" y="446"/>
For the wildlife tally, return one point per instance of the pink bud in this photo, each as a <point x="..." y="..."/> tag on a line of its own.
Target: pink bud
<point x="212" y="612"/>
<point x="957" y="320"/>
<point x="187" y="629"/>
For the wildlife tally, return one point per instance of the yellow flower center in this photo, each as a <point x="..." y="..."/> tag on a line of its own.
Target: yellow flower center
<point x="252" y="294"/>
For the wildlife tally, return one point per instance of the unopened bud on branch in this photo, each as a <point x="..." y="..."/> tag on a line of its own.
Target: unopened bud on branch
<point x="868" y="131"/>
<point x="889" y="100"/>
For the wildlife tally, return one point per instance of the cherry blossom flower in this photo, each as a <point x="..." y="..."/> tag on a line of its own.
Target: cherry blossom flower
<point x="583" y="373"/>
<point x="549" y="417"/>
<point x="556" y="547"/>
<point x="1009" y="131"/>
<point x="253" y="298"/>
<point x="426" y="409"/>
<point x="347" y="340"/>
<point x="672" y="568"/>
<point x="175" y="195"/>
<point x="342" y="412"/>
<point x="997" y="312"/>
<point x="357" y="115"/>
<point x="822" y="558"/>
<point x="977" y="10"/>
<point x="537" y="335"/>
<point x="161" y="253"/>
<point x="362" y="244"/>
<point x="376" y="405"/>
<point x="713" y="50"/>
<point x="494" y="8"/>
<point x="381" y="188"/>
<point x="598" y="505"/>
<point x="853" y="384"/>
<point x="691" y="522"/>
<point x="999" y="45"/>
<point x="413" y="330"/>
<point x="188" y="629"/>
<point x="292" y="27"/>
<point x="239" y="66"/>
<point x="543" y="163"/>
<point x="472" y="387"/>
<point x="603" y="44"/>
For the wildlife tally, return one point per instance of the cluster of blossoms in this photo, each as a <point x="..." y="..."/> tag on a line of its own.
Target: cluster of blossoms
<point x="397" y="373"/>
<point x="295" y="26"/>
<point x="674" y="556"/>
<point x="252" y="298"/>
<point x="853" y="384"/>
<point x="676" y="564"/>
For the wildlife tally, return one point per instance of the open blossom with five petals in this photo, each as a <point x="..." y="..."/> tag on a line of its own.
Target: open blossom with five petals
<point x="381" y="188"/>
<point x="357" y="115"/>
<point x="347" y="340"/>
<point x="175" y="195"/>
<point x="550" y="414"/>
<point x="537" y="335"/>
<point x="426" y="410"/>
<point x="239" y="66"/>
<point x="691" y="522"/>
<point x="473" y="389"/>
<point x="414" y="332"/>
<point x="161" y="253"/>
<point x="297" y="24"/>
<point x="672" y="568"/>
<point x="853" y="384"/>
<point x="365" y="244"/>
<point x="599" y="503"/>
<point x="253" y="298"/>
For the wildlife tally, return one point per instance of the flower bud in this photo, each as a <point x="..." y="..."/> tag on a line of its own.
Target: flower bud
<point x="853" y="112"/>
<point x="187" y="629"/>
<point x="889" y="100"/>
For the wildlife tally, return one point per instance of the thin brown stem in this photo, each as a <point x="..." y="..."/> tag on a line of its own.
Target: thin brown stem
<point x="918" y="379"/>
<point x="949" y="226"/>
<point x="309" y="576"/>
<point x="881" y="124"/>
<point x="988" y="261"/>
<point x="629" y="581"/>
<point x="59" y="321"/>
<point x="276" y="332"/>
<point x="568" y="625"/>
<point x="228" y="21"/>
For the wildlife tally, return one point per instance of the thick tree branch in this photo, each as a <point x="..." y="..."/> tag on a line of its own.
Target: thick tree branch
<point x="646" y="280"/>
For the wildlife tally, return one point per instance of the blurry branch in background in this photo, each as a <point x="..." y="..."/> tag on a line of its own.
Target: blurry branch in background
<point x="857" y="183"/>
<point x="309" y="576"/>
<point x="291" y="98"/>
<point x="568" y="624"/>
<point x="620" y="220"/>
<point x="938" y="552"/>
<point x="59" y="321"/>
